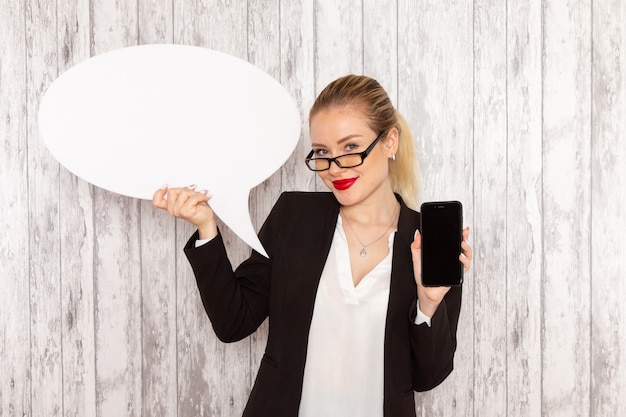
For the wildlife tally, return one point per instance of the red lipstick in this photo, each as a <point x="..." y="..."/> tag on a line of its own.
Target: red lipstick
<point x="344" y="184"/>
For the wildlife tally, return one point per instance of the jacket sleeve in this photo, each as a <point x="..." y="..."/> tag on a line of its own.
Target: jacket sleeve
<point x="237" y="302"/>
<point x="433" y="347"/>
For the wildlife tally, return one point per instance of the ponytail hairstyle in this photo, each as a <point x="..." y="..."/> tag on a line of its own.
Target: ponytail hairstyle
<point x="366" y="97"/>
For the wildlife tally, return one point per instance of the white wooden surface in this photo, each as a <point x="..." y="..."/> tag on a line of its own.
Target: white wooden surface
<point x="518" y="110"/>
<point x="524" y="237"/>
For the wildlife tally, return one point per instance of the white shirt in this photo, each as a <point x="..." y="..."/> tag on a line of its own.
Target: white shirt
<point x="343" y="375"/>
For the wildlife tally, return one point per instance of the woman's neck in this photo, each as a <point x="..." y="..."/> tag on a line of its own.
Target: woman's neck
<point x="382" y="209"/>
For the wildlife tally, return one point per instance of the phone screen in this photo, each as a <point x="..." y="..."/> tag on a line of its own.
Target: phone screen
<point x="441" y="229"/>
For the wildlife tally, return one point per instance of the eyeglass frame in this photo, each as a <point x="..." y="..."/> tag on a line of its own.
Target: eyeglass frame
<point x="363" y="155"/>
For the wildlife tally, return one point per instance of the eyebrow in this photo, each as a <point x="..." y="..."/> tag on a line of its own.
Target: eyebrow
<point x="340" y="141"/>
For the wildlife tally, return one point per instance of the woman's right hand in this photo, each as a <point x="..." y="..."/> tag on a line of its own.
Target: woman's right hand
<point x="189" y="205"/>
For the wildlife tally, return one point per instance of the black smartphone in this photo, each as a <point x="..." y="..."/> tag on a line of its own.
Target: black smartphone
<point x="441" y="229"/>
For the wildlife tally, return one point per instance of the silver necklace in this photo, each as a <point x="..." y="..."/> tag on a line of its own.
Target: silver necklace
<point x="363" y="252"/>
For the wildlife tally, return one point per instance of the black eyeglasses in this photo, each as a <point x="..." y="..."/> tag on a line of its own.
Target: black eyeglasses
<point x="349" y="160"/>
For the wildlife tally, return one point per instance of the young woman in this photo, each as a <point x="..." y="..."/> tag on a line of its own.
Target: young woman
<point x="352" y="331"/>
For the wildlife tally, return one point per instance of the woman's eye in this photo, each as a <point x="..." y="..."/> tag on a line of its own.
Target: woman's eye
<point x="321" y="152"/>
<point x="351" y="147"/>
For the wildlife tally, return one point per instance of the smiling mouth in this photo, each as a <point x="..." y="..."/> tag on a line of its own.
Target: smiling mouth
<point x="344" y="184"/>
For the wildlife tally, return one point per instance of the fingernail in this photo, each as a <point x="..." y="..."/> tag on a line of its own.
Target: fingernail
<point x="205" y="192"/>
<point x="192" y="186"/>
<point x="164" y="186"/>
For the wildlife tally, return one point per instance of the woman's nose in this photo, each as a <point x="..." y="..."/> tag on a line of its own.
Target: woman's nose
<point x="334" y="168"/>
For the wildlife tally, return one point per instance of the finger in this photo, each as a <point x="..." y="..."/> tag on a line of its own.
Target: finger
<point x="466" y="250"/>
<point x="417" y="240"/>
<point x="192" y="204"/>
<point x="181" y="199"/>
<point x="466" y="253"/>
<point x="158" y="199"/>
<point x="190" y="208"/>
<point x="416" y="249"/>
<point x="416" y="254"/>
<point x="170" y="199"/>
<point x="465" y="261"/>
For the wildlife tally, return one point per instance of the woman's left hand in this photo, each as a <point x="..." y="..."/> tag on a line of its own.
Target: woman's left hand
<point x="430" y="297"/>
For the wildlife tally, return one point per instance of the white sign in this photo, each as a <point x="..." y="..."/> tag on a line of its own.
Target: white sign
<point x="133" y="119"/>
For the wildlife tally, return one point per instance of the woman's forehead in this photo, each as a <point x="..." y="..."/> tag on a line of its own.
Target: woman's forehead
<point x="336" y="124"/>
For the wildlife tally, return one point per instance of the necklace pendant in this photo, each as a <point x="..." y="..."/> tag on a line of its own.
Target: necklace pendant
<point x="363" y="252"/>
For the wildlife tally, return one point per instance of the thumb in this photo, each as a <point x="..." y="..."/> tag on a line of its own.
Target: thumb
<point x="416" y="248"/>
<point x="417" y="241"/>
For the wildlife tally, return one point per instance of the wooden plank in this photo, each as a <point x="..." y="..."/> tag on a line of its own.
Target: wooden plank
<point x="158" y="268"/>
<point x="158" y="300"/>
<point x="199" y="356"/>
<point x="490" y="209"/>
<point x="77" y="292"/>
<point x="155" y="20"/>
<point x="524" y="208"/>
<point x="297" y="76"/>
<point x="214" y="378"/>
<point x="566" y="206"/>
<point x="43" y="186"/>
<point x="435" y="95"/>
<point x="338" y="40"/>
<point x="117" y="271"/>
<point x="380" y="44"/>
<point x="608" y="221"/>
<point x="117" y="289"/>
<point x="215" y="24"/>
<point x="77" y="240"/>
<point x="15" y="398"/>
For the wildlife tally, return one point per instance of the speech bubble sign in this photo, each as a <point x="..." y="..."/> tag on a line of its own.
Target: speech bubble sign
<point x="135" y="118"/>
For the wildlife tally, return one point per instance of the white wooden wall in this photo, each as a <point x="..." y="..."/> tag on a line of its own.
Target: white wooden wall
<point x="518" y="108"/>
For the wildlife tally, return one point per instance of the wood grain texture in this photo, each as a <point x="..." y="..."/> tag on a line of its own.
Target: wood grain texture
<point x="517" y="109"/>
<point x="15" y="352"/>
<point x="193" y="331"/>
<point x="524" y="208"/>
<point x="43" y="186"/>
<point x="77" y="296"/>
<point x="566" y="208"/>
<point x="76" y="225"/>
<point x="608" y="221"/>
<point x="490" y="209"/>
<point x="338" y="40"/>
<point x="380" y="44"/>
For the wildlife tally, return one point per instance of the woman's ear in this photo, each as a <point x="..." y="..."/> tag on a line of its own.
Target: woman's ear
<point x="391" y="142"/>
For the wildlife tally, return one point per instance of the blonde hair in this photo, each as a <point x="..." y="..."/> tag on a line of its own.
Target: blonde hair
<point x="366" y="96"/>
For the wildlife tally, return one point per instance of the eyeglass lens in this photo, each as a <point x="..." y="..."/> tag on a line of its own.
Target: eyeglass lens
<point x="343" y="161"/>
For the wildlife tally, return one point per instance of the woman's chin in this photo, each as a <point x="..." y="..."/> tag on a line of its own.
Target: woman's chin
<point x="345" y="198"/>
